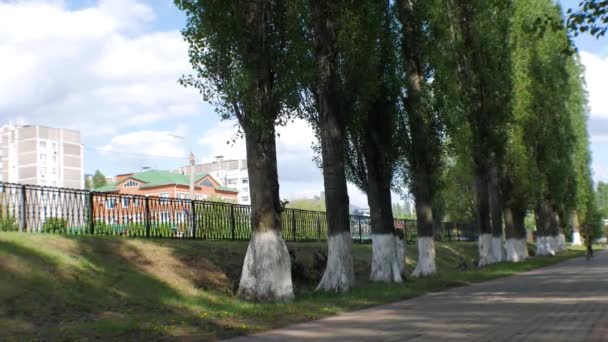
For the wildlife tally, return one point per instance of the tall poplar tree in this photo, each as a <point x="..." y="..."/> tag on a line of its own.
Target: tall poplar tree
<point x="242" y="59"/>
<point x="478" y="32"/>
<point x="370" y="65"/>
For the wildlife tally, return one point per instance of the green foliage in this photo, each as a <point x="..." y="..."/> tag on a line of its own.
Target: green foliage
<point x="99" y="179"/>
<point x="88" y="185"/>
<point x="8" y="223"/>
<point x="229" y="59"/>
<point x="591" y="16"/>
<point x="601" y="197"/>
<point x="55" y="225"/>
<point x="459" y="190"/>
<point x="313" y="204"/>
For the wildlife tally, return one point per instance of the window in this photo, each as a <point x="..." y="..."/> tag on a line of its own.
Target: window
<point x="42" y="145"/>
<point x="245" y="198"/>
<point x="130" y="184"/>
<point x="125" y="202"/>
<point x="111" y="203"/>
<point x="42" y="156"/>
<point x="245" y="190"/>
<point x="54" y="147"/>
<point x="206" y="183"/>
<point x="164" y="197"/>
<point x="135" y="202"/>
<point x="232" y="181"/>
<point x="54" y="170"/>
<point x="43" y="171"/>
<point x="183" y="195"/>
<point x="245" y="180"/>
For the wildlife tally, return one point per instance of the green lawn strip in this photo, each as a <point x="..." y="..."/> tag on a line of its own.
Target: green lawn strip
<point x="82" y="288"/>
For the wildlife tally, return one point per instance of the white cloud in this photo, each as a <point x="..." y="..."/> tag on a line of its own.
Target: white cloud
<point x="94" y="69"/>
<point x="596" y="74"/>
<point x="144" y="143"/>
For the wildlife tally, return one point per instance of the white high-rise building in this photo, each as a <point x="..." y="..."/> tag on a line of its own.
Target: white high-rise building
<point x="41" y="156"/>
<point x="231" y="173"/>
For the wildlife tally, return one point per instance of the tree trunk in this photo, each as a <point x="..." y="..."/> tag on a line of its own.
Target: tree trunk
<point x="419" y="154"/>
<point x="339" y="273"/>
<point x="516" y="245"/>
<point x="576" y="228"/>
<point x="544" y="212"/>
<point x="385" y="262"/>
<point x="266" y="271"/>
<point x="483" y="216"/>
<point x="561" y="234"/>
<point x="496" y="215"/>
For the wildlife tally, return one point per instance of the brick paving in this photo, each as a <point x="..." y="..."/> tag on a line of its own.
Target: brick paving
<point x="564" y="302"/>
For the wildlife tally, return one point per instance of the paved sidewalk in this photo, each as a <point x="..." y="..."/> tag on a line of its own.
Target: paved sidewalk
<point x="564" y="302"/>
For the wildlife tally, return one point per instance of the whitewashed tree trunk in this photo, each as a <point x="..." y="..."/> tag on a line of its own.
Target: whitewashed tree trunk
<point x="576" y="239"/>
<point x="545" y="245"/>
<point x="426" y="258"/>
<point x="561" y="242"/>
<point x="266" y="271"/>
<point x="400" y="248"/>
<point x="385" y="264"/>
<point x="486" y="256"/>
<point x="516" y="250"/>
<point x="339" y="273"/>
<point x="497" y="249"/>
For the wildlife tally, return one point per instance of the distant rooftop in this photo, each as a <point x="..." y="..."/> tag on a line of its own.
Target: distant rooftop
<point x="153" y="178"/>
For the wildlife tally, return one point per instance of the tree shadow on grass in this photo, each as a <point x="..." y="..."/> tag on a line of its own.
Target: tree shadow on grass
<point x="102" y="290"/>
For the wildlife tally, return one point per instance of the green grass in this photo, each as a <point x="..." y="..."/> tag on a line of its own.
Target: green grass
<point x="54" y="287"/>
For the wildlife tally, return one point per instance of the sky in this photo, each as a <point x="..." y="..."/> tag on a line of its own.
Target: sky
<point x="109" y="68"/>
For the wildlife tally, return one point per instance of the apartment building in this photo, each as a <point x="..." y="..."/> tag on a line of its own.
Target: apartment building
<point x="231" y="173"/>
<point x="41" y="155"/>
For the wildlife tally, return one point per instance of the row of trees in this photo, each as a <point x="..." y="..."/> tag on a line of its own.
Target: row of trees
<point x="430" y="95"/>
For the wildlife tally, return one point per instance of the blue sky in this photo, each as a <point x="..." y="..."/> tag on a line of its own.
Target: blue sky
<point x="109" y="68"/>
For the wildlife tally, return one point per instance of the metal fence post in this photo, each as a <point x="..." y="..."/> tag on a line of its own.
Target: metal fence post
<point x="449" y="233"/>
<point x="91" y="214"/>
<point x="193" y="220"/>
<point x="232" y="223"/>
<point x="360" y="232"/>
<point x="293" y="224"/>
<point x="319" y="225"/>
<point x="147" y="216"/>
<point x="23" y="223"/>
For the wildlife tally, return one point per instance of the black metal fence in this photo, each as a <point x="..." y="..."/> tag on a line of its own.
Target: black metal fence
<point x="31" y="208"/>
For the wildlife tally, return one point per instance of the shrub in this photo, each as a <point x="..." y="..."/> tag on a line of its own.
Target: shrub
<point x="8" y="224"/>
<point x="55" y="225"/>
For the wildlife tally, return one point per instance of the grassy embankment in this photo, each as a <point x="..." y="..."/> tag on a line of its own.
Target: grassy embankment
<point x="56" y="287"/>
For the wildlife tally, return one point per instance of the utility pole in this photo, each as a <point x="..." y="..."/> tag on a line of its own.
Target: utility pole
<point x="192" y="162"/>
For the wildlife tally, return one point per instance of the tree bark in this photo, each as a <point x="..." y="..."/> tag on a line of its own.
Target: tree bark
<point x="516" y="246"/>
<point x="339" y="273"/>
<point x="385" y="262"/>
<point x="419" y="155"/>
<point x="496" y="213"/>
<point x="544" y="212"/>
<point x="483" y="216"/>
<point x="576" y="228"/>
<point x="266" y="273"/>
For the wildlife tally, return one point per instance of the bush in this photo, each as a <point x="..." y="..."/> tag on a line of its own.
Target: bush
<point x="8" y="224"/>
<point x="55" y="225"/>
